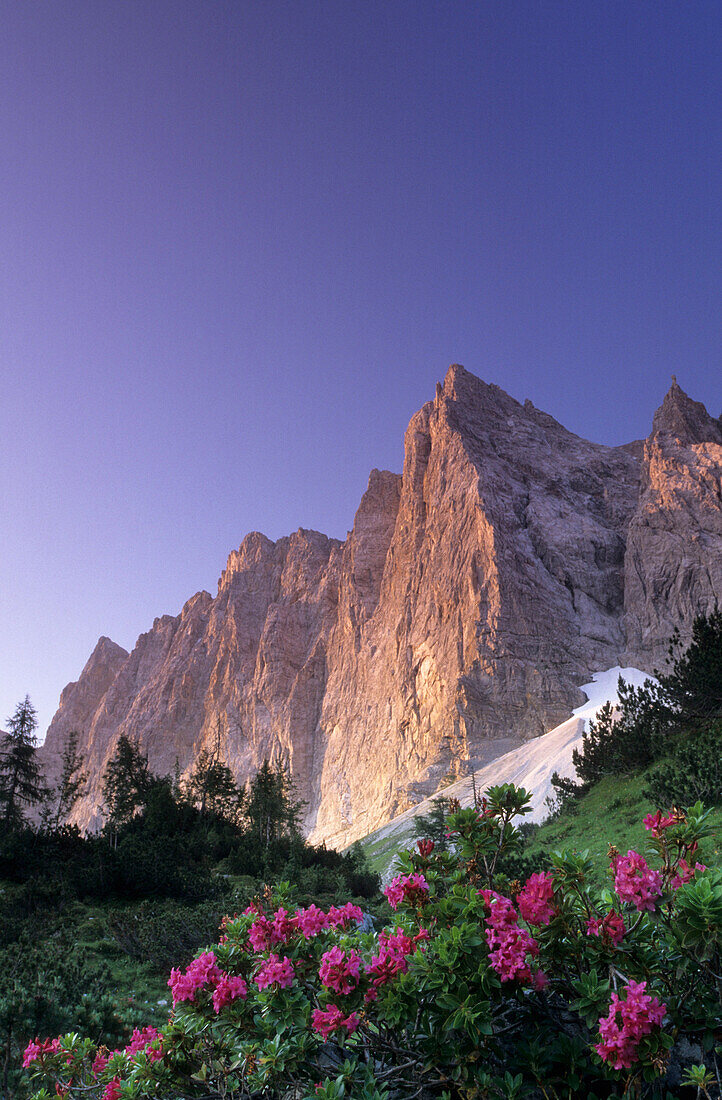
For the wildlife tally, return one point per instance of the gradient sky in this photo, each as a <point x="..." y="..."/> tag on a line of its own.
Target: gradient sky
<point x="240" y="242"/>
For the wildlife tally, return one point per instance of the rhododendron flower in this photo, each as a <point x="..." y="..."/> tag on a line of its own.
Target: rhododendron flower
<point x="311" y="921"/>
<point x="227" y="990"/>
<point x="635" y="882"/>
<point x="425" y="847"/>
<point x="100" y="1062"/>
<point x="385" y="966"/>
<point x="202" y="971"/>
<point x="141" y="1040"/>
<point x="260" y="934"/>
<point x="656" y="822"/>
<point x="535" y="899"/>
<point x="627" y="1022"/>
<point x="284" y="926"/>
<point x="112" y="1090"/>
<point x="685" y="873"/>
<point x="276" y="971"/>
<point x="35" y="1050"/>
<point x="509" y="944"/>
<point x="338" y="916"/>
<point x="326" y="1020"/>
<point x="412" y="888"/>
<point x="340" y="971"/>
<point x="610" y="927"/>
<point x="32" y="1052"/>
<point x="391" y="959"/>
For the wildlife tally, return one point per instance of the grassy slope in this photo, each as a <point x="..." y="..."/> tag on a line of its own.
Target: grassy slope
<point x="612" y="813"/>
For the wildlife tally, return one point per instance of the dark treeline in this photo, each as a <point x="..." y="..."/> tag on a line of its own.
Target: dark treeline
<point x="672" y="727"/>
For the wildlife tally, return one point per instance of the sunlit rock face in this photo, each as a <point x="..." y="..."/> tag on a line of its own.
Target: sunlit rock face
<point x="476" y="591"/>
<point x="673" y="563"/>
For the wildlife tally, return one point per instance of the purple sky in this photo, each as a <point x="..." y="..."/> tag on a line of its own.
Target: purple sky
<point x="240" y="242"/>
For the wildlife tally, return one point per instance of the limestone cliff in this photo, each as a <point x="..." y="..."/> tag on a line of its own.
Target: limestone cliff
<point x="508" y="562"/>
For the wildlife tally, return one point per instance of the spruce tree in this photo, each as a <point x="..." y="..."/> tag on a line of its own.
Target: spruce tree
<point x="21" y="781"/>
<point x="127" y="781"/>
<point x="71" y="785"/>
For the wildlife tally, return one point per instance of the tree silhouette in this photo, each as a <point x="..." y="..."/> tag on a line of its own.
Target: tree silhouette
<point x="21" y="781"/>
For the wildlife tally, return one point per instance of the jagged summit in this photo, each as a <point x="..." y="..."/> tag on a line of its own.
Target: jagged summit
<point x="687" y="420"/>
<point x="475" y="592"/>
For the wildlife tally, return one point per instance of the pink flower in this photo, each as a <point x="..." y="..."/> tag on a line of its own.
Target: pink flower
<point x="627" y="1023"/>
<point x="411" y="888"/>
<point x="260" y="934"/>
<point x="276" y="972"/>
<point x="685" y="873"/>
<point x="311" y="921"/>
<point x="635" y="882"/>
<point x="32" y="1052"/>
<point x="140" y="1042"/>
<point x="99" y="1063"/>
<point x="535" y="899"/>
<point x="326" y="1020"/>
<point x="509" y="944"/>
<point x="112" y="1091"/>
<point x="202" y="971"/>
<point x="425" y="847"/>
<point x="227" y="990"/>
<point x="610" y="928"/>
<point x="284" y="926"/>
<point x="656" y="822"/>
<point x="35" y="1050"/>
<point x="340" y="971"/>
<point x="391" y="959"/>
<point x="337" y="917"/>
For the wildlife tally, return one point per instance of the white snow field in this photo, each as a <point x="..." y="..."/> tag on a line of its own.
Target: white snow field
<point x="530" y="765"/>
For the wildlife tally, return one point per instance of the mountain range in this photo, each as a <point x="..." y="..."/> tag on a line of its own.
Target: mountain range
<point x="476" y="592"/>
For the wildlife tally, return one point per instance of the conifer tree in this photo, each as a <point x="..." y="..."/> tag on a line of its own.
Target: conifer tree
<point x="272" y="809"/>
<point x="212" y="787"/>
<point x="126" y="783"/>
<point x="21" y="781"/>
<point x="71" y="785"/>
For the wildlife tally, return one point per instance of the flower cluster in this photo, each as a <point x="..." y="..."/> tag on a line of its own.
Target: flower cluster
<point x="535" y="900"/>
<point x="140" y="1042"/>
<point x="657" y="822"/>
<point x="277" y="972"/>
<point x="510" y="945"/>
<point x="36" y="1049"/>
<point x="204" y="973"/>
<point x="411" y="888"/>
<point x="635" y="881"/>
<point x="392" y="955"/>
<point x="112" y="1090"/>
<point x="227" y="990"/>
<point x="331" y="1018"/>
<point x="685" y="873"/>
<point x="627" y="1023"/>
<point x="339" y="970"/>
<point x="610" y="928"/>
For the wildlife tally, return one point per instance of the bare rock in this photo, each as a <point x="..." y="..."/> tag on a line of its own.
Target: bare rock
<point x="509" y="562"/>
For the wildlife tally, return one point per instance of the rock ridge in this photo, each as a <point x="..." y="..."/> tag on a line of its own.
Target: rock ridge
<point x="475" y="592"/>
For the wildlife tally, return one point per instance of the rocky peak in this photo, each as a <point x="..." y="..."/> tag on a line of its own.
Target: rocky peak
<point x="685" y="419"/>
<point x="510" y="561"/>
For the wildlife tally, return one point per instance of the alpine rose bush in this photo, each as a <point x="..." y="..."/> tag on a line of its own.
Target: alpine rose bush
<point x="480" y="988"/>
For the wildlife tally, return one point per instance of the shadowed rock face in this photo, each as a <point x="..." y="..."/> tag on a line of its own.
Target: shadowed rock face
<point x="508" y="562"/>
<point x="673" y="560"/>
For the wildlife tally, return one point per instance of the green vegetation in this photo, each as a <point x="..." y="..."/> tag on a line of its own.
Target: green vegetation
<point x="91" y="925"/>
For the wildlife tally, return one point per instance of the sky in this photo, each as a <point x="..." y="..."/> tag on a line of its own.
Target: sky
<point x="240" y="242"/>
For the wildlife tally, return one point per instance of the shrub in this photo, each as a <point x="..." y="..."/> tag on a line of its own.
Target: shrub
<point x="480" y="987"/>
